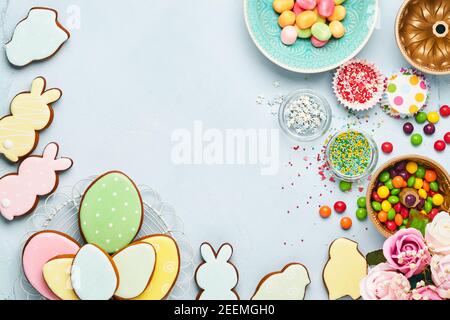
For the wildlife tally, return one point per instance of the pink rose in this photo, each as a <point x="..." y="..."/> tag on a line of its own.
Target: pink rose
<point x="406" y="252"/>
<point x="384" y="283"/>
<point x="440" y="273"/>
<point x="425" y="293"/>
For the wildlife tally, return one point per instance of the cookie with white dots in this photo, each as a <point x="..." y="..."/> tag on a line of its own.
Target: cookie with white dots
<point x="111" y="212"/>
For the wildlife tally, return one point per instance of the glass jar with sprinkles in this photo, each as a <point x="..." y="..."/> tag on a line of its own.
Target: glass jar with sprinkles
<point x="352" y="155"/>
<point x="305" y="115"/>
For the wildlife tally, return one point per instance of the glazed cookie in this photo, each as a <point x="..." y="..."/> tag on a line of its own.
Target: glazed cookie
<point x="38" y="250"/>
<point x="30" y="112"/>
<point x="111" y="212"/>
<point x="37" y="176"/>
<point x="287" y="284"/>
<point x="56" y="274"/>
<point x="217" y="277"/>
<point x="94" y="275"/>
<point x="345" y="269"/>
<point x="166" y="269"/>
<point x="38" y="37"/>
<point x="135" y="265"/>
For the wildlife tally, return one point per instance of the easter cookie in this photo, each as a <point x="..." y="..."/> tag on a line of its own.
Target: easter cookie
<point x="37" y="176"/>
<point x="135" y="265"/>
<point x="166" y="269"/>
<point x="217" y="277"/>
<point x="30" y="112"/>
<point x="38" y="250"/>
<point x="56" y="274"/>
<point x="345" y="269"/>
<point x="287" y="284"/>
<point x="407" y="93"/>
<point x="38" y="37"/>
<point x="94" y="275"/>
<point x="111" y="212"/>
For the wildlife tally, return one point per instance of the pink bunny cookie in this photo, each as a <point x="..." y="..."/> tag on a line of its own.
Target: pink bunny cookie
<point x="217" y="277"/>
<point x="37" y="176"/>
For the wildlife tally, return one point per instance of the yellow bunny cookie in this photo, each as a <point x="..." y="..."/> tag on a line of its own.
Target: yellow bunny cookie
<point x="30" y="113"/>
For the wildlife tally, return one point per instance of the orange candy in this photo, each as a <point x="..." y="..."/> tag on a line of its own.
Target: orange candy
<point x="398" y="182"/>
<point x="398" y="220"/>
<point x="426" y="186"/>
<point x="325" y="211"/>
<point x="430" y="176"/>
<point x="346" y="223"/>
<point x="382" y="216"/>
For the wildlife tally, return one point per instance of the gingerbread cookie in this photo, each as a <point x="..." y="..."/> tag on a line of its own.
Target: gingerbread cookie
<point x="166" y="269"/>
<point x="345" y="269"/>
<point x="37" y="176"/>
<point x="111" y="212"/>
<point x="30" y="112"/>
<point x="135" y="265"/>
<point x="38" y="250"/>
<point x="56" y="274"/>
<point x="217" y="277"/>
<point x="38" y="37"/>
<point x="287" y="284"/>
<point x="94" y="275"/>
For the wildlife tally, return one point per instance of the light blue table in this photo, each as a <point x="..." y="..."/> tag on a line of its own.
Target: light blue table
<point x="134" y="73"/>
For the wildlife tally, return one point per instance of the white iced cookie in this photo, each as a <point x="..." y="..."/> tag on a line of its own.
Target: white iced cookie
<point x="39" y="36"/>
<point x="287" y="284"/>
<point x="94" y="275"/>
<point x="135" y="265"/>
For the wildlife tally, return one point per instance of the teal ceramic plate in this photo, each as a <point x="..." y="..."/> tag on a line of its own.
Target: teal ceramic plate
<point x="302" y="57"/>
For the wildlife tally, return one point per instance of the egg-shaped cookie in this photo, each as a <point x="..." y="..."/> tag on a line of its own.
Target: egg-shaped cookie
<point x="56" y="274"/>
<point x="167" y="267"/>
<point x="111" y="212"/>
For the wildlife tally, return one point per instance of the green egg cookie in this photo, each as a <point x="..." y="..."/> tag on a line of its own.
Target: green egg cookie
<point x="111" y="212"/>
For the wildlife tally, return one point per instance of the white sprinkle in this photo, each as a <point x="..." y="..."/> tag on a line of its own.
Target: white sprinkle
<point x="110" y="225"/>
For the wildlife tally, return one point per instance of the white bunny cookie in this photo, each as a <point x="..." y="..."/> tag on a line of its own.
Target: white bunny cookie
<point x="217" y="277"/>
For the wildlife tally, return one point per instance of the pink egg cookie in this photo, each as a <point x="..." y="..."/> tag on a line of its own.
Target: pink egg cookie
<point x="39" y="249"/>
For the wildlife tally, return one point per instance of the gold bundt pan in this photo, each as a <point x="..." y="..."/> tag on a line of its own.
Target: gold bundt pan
<point x="423" y="34"/>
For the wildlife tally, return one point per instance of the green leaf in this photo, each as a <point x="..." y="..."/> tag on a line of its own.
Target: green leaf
<point x="424" y="276"/>
<point x="374" y="258"/>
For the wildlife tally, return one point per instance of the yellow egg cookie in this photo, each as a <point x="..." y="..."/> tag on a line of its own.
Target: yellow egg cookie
<point x="56" y="274"/>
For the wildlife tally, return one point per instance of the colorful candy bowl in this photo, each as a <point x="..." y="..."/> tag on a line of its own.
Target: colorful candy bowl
<point x="302" y="56"/>
<point x="423" y="34"/>
<point x="407" y="192"/>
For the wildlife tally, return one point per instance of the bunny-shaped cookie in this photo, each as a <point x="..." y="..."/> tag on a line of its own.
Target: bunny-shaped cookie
<point x="217" y="277"/>
<point x="37" y="176"/>
<point x="30" y="113"/>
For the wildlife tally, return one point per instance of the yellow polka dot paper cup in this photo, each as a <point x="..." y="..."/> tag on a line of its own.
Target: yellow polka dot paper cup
<point x="406" y="94"/>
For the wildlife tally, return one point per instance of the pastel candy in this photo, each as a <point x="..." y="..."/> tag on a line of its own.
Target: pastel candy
<point x="282" y="5"/>
<point x="297" y="9"/>
<point x="339" y="13"/>
<point x="326" y="8"/>
<point x="321" y="31"/>
<point x="307" y="4"/>
<point x="287" y="18"/>
<point x="306" y="19"/>
<point x="289" y="35"/>
<point x="338" y="2"/>
<point x="111" y="212"/>
<point x="39" y="249"/>
<point x="317" y="43"/>
<point x="304" y="34"/>
<point x="337" y="29"/>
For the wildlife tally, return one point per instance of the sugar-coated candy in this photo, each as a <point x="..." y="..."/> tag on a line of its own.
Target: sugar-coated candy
<point x="289" y="35"/>
<point x="391" y="225"/>
<point x="287" y="18"/>
<point x="326" y="8"/>
<point x="345" y="186"/>
<point x="307" y="4"/>
<point x="317" y="43"/>
<point x="433" y="117"/>
<point x="444" y="111"/>
<point x="382" y="216"/>
<point x="412" y="167"/>
<point x="430" y="175"/>
<point x="304" y="33"/>
<point x="282" y="5"/>
<point x="325" y="211"/>
<point x="438" y="200"/>
<point x="339" y="13"/>
<point x="429" y="129"/>
<point x="361" y="202"/>
<point x="383" y="192"/>
<point x="416" y="139"/>
<point x="421" y="117"/>
<point x="361" y="213"/>
<point x="306" y="19"/>
<point x="447" y="138"/>
<point x="297" y="9"/>
<point x="337" y="29"/>
<point x="340" y="207"/>
<point x="321" y="31"/>
<point x="408" y="128"/>
<point x="387" y="147"/>
<point x="346" y="223"/>
<point x="440" y="145"/>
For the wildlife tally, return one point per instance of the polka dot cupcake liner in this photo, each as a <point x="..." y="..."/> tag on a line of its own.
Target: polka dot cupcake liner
<point x="359" y="85"/>
<point x="407" y="93"/>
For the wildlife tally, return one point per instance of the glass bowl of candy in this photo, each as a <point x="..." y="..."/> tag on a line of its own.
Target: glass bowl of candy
<point x="305" y="115"/>
<point x="407" y="192"/>
<point x="352" y="155"/>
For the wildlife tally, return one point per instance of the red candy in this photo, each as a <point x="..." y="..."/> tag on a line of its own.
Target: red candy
<point x="447" y="138"/>
<point x="433" y="213"/>
<point x="445" y="111"/>
<point x="404" y="213"/>
<point x="387" y="147"/>
<point x="340" y="207"/>
<point x="376" y="197"/>
<point x="440" y="145"/>
<point x="391" y="225"/>
<point x="398" y="207"/>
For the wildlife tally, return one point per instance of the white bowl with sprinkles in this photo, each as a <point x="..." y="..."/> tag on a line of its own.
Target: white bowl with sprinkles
<point x="305" y="115"/>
